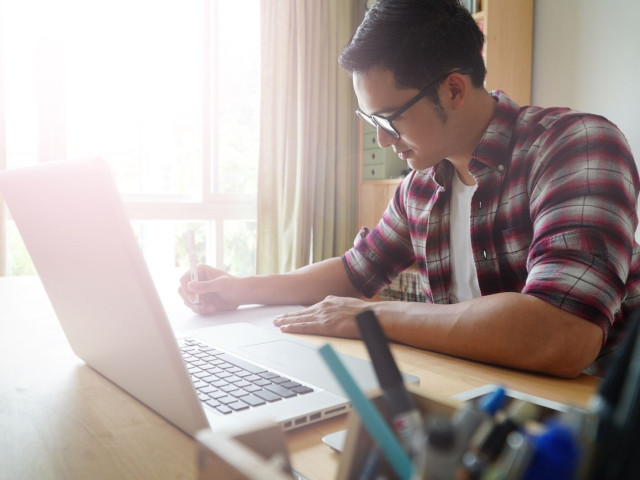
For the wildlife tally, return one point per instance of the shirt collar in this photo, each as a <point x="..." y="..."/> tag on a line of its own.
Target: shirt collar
<point x="493" y="150"/>
<point x="494" y="147"/>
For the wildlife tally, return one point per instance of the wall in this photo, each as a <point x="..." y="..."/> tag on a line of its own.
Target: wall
<point x="586" y="55"/>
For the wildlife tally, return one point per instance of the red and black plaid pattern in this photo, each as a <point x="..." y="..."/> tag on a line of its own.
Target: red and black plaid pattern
<point x="554" y="216"/>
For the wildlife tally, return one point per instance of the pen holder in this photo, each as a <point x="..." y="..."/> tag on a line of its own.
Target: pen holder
<point x="359" y="443"/>
<point x="259" y="452"/>
<point x="255" y="453"/>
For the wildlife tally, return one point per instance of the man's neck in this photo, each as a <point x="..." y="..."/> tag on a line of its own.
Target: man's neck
<point x="478" y="113"/>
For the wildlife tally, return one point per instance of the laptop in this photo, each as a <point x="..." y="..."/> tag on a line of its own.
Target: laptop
<point x="75" y="228"/>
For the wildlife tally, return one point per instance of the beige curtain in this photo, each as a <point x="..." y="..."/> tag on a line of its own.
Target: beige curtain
<point x="308" y="185"/>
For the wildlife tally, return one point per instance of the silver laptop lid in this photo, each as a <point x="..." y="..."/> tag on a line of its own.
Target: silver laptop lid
<point x="81" y="242"/>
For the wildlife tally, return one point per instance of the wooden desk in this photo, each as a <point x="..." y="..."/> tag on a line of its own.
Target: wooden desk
<point x="61" y="420"/>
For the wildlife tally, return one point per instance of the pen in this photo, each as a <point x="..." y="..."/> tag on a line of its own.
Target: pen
<point x="440" y="449"/>
<point x="193" y="261"/>
<point x="488" y="442"/>
<point x="406" y="418"/>
<point x="514" y="459"/>
<point x="369" y="470"/>
<point x="469" y="418"/>
<point x="519" y="413"/>
<point x="371" y="418"/>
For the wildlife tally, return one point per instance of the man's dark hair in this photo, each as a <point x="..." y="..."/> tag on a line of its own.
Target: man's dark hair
<point x="417" y="40"/>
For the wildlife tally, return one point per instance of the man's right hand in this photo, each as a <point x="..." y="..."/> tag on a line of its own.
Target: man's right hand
<point x="216" y="291"/>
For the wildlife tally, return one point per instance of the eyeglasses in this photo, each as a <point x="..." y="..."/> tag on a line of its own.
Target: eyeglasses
<point x="385" y="122"/>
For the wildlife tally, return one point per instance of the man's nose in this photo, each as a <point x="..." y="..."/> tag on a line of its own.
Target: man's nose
<point x="385" y="139"/>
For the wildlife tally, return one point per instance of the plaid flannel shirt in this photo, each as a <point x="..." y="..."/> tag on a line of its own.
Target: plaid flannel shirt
<point x="554" y="216"/>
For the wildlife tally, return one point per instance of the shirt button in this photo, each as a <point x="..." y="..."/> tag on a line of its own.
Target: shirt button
<point x="484" y="254"/>
<point x="501" y="168"/>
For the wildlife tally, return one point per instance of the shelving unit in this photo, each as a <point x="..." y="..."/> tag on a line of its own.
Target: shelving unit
<point x="508" y="29"/>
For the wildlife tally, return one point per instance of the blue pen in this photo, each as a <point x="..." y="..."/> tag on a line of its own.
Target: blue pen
<point x="369" y="415"/>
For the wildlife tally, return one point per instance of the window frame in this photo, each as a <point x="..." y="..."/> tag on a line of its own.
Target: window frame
<point x="214" y="207"/>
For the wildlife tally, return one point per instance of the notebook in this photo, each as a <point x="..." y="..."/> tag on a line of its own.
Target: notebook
<point x="75" y="228"/>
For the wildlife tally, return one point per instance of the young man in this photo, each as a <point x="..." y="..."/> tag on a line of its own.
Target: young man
<point x="521" y="220"/>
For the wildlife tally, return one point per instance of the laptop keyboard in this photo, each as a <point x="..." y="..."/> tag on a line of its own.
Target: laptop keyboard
<point x="230" y="384"/>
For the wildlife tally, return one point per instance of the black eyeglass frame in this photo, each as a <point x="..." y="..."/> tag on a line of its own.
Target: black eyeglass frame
<point x="385" y="122"/>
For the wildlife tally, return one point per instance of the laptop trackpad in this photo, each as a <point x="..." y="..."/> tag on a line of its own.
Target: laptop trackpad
<point x="304" y="363"/>
<point x="282" y="352"/>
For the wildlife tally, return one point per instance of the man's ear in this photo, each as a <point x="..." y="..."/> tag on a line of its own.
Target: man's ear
<point x="456" y="89"/>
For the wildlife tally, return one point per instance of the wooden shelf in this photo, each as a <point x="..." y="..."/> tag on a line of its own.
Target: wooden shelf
<point x="508" y="29"/>
<point x="374" y="198"/>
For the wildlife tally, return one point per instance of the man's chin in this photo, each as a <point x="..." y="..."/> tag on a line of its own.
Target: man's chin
<point x="417" y="163"/>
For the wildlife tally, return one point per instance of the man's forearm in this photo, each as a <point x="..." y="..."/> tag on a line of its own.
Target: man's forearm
<point x="508" y="329"/>
<point x="304" y="286"/>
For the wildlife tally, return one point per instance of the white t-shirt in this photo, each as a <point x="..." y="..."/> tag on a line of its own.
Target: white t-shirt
<point x="464" y="279"/>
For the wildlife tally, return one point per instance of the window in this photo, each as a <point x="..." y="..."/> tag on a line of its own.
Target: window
<point x="166" y="92"/>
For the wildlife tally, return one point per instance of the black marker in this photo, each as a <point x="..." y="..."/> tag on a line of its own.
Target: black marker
<point x="405" y="417"/>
